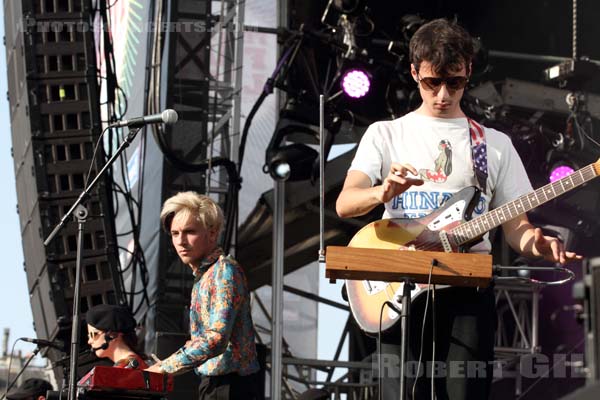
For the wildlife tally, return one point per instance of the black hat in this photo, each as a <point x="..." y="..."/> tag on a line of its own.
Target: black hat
<point x="30" y="388"/>
<point x="109" y="318"/>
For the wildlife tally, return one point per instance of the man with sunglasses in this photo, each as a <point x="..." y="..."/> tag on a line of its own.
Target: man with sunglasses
<point x="415" y="163"/>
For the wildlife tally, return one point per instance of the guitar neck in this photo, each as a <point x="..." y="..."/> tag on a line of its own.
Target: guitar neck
<point x="475" y="228"/>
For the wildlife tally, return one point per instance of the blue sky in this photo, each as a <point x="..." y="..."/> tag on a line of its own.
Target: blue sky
<point x="16" y="310"/>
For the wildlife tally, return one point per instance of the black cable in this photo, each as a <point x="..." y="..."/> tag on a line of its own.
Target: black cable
<point x="134" y="223"/>
<point x="379" y="364"/>
<point x="230" y="208"/>
<point x="12" y="352"/>
<point x="94" y="154"/>
<point x="114" y="3"/>
<point x="380" y="355"/>
<point x="137" y="260"/>
<point x="200" y="166"/>
<point x="268" y="87"/>
<point x="433" y="337"/>
<point x="116" y="107"/>
<point x="584" y="133"/>
<point x="247" y="123"/>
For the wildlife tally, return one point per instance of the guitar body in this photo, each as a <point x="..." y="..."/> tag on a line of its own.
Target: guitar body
<point x="367" y="297"/>
<point x="452" y="221"/>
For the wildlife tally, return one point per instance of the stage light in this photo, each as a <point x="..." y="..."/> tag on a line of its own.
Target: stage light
<point x="356" y="83"/>
<point x="559" y="171"/>
<point x="281" y="170"/>
<point x="559" y="164"/>
<point x="576" y="71"/>
<point x="293" y="162"/>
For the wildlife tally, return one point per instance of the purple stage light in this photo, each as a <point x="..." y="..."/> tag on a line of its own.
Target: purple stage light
<point x="560" y="172"/>
<point x="356" y="83"/>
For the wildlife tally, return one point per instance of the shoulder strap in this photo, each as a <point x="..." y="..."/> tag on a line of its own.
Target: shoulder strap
<point x="479" y="153"/>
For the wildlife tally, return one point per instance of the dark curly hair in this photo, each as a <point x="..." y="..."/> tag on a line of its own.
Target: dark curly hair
<point x="444" y="44"/>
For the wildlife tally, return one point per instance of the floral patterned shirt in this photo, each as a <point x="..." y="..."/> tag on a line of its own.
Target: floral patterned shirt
<point x="222" y="333"/>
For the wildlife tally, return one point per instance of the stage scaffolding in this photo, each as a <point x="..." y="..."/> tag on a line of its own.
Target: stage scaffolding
<point x="357" y="379"/>
<point x="224" y="86"/>
<point x="518" y="302"/>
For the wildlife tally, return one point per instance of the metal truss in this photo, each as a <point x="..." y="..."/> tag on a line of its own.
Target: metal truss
<point x="225" y="85"/>
<point x="517" y="302"/>
<point x="364" y="389"/>
<point x="224" y="123"/>
<point x="299" y="374"/>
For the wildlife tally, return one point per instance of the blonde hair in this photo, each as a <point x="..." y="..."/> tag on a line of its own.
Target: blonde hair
<point x="204" y="209"/>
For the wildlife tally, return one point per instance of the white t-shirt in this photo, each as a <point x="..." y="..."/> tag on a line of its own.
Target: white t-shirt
<point x="440" y="149"/>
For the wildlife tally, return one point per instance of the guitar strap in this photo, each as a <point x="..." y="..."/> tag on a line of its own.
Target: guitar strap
<point x="479" y="154"/>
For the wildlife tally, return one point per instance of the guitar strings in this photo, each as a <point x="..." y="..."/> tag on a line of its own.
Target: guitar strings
<point x="585" y="174"/>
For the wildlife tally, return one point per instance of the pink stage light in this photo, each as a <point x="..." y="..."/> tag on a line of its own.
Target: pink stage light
<point x="560" y="172"/>
<point x="356" y="83"/>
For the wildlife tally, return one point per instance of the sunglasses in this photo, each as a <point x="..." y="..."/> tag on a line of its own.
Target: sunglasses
<point x="452" y="82"/>
<point x="93" y="334"/>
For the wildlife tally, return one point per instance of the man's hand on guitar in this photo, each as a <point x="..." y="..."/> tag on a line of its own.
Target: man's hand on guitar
<point x="552" y="249"/>
<point x="398" y="182"/>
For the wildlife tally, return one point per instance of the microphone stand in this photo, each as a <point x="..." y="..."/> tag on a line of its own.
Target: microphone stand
<point x="12" y="383"/>
<point x="81" y="214"/>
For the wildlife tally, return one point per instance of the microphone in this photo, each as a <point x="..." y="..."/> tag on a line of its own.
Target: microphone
<point x="104" y="346"/>
<point x="168" y="117"/>
<point x="45" y="343"/>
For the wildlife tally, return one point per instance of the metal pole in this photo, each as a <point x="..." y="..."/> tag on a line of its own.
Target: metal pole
<point x="526" y="57"/>
<point x="277" y="289"/>
<point x="10" y="384"/>
<point x="535" y="300"/>
<point x="574" y="33"/>
<point x="236" y="99"/>
<point x="404" y="327"/>
<point x="81" y="213"/>
<point x="321" y="179"/>
<point x="278" y="255"/>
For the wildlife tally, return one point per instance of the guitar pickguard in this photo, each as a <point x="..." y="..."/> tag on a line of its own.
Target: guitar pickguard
<point x="374" y="287"/>
<point x="393" y="293"/>
<point x="367" y="298"/>
<point x="451" y="214"/>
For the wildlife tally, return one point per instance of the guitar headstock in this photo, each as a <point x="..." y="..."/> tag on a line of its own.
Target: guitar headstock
<point x="597" y="167"/>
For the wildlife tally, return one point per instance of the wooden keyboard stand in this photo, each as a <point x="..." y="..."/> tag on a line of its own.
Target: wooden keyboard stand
<point x="409" y="267"/>
<point x="457" y="269"/>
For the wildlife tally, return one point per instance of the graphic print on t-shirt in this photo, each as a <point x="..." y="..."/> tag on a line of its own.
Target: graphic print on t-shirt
<point x="443" y="165"/>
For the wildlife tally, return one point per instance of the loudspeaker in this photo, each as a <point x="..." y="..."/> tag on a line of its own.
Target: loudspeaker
<point x="184" y="82"/>
<point x="591" y="305"/>
<point x="55" y="121"/>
